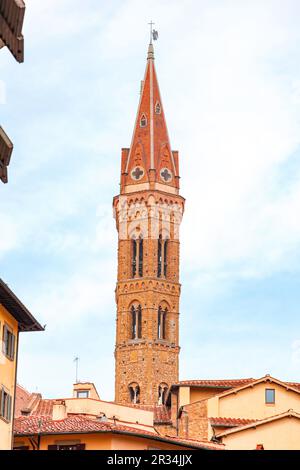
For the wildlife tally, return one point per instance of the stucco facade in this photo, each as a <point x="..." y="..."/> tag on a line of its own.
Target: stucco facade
<point x="8" y="368"/>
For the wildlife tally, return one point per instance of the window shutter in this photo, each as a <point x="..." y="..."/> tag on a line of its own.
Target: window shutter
<point x="12" y="350"/>
<point x="2" y="403"/>
<point x="8" y="411"/>
<point x="4" y="343"/>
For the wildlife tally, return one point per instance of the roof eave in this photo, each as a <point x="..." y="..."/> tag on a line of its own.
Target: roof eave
<point x="14" y="306"/>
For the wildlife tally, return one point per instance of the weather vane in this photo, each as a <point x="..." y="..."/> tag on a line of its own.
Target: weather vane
<point x="153" y="32"/>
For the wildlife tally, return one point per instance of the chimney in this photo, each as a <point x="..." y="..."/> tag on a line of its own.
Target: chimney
<point x="59" y="410"/>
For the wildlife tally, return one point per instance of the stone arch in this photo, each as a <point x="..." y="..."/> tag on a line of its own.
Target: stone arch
<point x="135" y="320"/>
<point x="162" y="393"/>
<point x="134" y="392"/>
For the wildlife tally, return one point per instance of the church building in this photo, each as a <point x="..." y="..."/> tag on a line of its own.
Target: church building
<point x="153" y="409"/>
<point x="148" y="213"/>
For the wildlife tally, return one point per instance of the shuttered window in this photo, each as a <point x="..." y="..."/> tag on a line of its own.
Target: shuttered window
<point x="5" y="404"/>
<point x="67" y="447"/>
<point x="9" y="341"/>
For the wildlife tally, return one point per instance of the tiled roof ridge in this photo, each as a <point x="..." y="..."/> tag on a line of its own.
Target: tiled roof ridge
<point x="215" y="381"/>
<point x="37" y="424"/>
<point x="259" y="422"/>
<point x="222" y="421"/>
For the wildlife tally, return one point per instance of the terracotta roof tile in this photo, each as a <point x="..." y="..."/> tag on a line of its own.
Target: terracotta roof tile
<point x="30" y="425"/>
<point x="22" y="398"/>
<point x="44" y="408"/>
<point x="162" y="414"/>
<point x="226" y="383"/>
<point x="230" y="422"/>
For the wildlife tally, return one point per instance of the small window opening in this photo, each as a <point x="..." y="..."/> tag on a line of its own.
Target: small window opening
<point x="143" y="121"/>
<point x="161" y="323"/>
<point x="157" y="108"/>
<point x="136" y="322"/>
<point x="134" y="393"/>
<point x="270" y="395"/>
<point x="162" y="393"/>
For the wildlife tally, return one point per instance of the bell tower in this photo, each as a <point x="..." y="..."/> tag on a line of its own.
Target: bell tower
<point x="148" y="212"/>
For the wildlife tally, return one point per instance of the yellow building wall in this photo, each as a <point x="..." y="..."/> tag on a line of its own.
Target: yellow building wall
<point x="7" y="375"/>
<point x="183" y="396"/>
<point x="283" y="434"/>
<point x="100" y="441"/>
<point x="134" y="416"/>
<point x="250" y="402"/>
<point x="197" y="394"/>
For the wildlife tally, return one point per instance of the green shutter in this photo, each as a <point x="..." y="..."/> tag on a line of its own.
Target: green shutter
<point x="1" y="402"/>
<point x="9" y="402"/>
<point x="4" y="343"/>
<point x="12" y="351"/>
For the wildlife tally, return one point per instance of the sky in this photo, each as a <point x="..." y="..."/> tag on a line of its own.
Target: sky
<point x="229" y="74"/>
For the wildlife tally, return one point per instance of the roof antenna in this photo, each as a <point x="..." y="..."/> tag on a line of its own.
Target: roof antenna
<point x="77" y="361"/>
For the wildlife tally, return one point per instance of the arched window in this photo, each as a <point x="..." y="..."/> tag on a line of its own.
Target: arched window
<point x="143" y="121"/>
<point x="134" y="251"/>
<point x="166" y="257"/>
<point x="159" y="256"/>
<point x="141" y="254"/>
<point x="161" y="322"/>
<point x="157" y="108"/>
<point x="134" y="393"/>
<point x="137" y="251"/>
<point x="162" y="257"/>
<point x="162" y="393"/>
<point x="136" y="321"/>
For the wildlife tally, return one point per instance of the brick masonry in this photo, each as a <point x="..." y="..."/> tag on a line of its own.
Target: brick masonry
<point x="147" y="361"/>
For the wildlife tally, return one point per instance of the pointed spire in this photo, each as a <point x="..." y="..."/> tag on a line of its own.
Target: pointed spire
<point x="150" y="159"/>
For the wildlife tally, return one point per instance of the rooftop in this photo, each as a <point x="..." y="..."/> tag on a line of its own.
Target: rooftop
<point x="14" y="306"/>
<point x="42" y="425"/>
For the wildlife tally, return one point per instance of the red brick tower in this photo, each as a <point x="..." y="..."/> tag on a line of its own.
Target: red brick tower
<point x="148" y="213"/>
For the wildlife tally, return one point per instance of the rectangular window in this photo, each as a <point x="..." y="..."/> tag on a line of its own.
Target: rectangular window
<point x="8" y="345"/>
<point x="5" y="404"/>
<point x="270" y="395"/>
<point x="67" y="447"/>
<point x="82" y="393"/>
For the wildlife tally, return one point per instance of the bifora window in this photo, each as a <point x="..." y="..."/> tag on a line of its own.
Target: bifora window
<point x="162" y="257"/>
<point x="270" y="395"/>
<point x="8" y="345"/>
<point x="5" y="404"/>
<point x="161" y="323"/>
<point x="162" y="393"/>
<point x="136" y="322"/>
<point x="134" y="393"/>
<point x="137" y="251"/>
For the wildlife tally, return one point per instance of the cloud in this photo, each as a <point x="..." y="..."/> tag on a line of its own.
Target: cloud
<point x="229" y="76"/>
